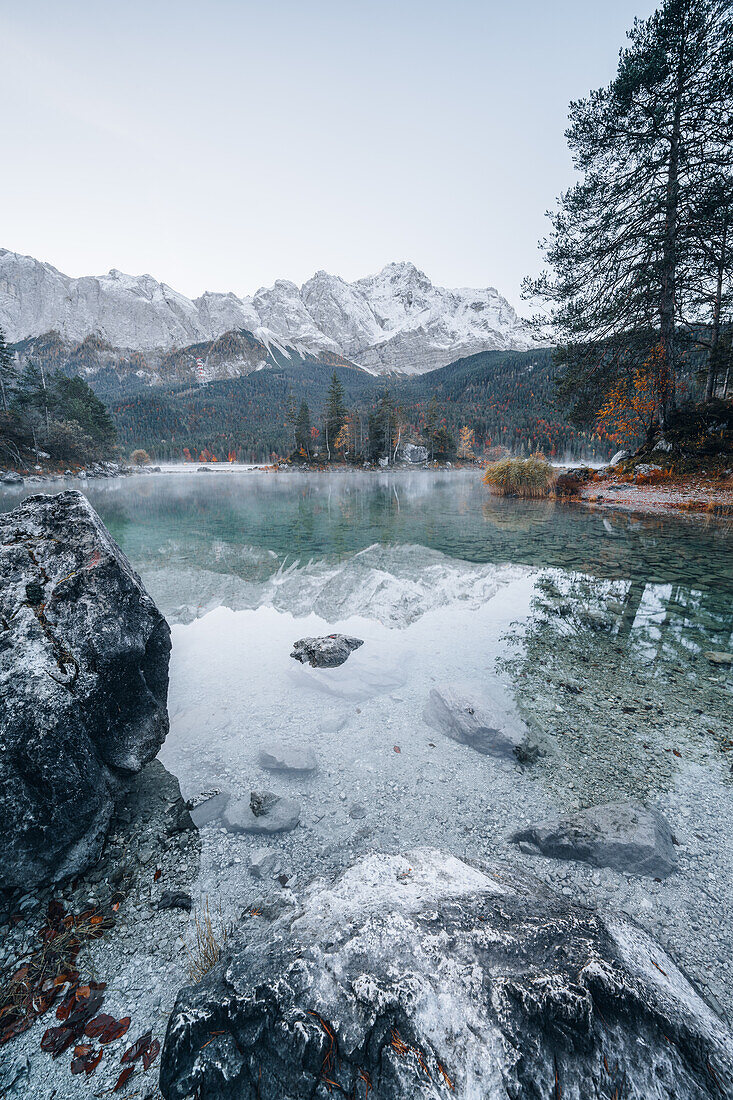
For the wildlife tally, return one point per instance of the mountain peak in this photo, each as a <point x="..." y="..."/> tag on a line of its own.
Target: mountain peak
<point x="395" y="320"/>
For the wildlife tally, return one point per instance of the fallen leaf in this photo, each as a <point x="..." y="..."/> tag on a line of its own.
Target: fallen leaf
<point x="133" y="1052"/>
<point x="397" y="748"/>
<point x="124" y="1078"/>
<point x="151" y="1054"/>
<point x="157" y="874"/>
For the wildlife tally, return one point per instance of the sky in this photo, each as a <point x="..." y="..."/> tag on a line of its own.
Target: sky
<point x="224" y="144"/>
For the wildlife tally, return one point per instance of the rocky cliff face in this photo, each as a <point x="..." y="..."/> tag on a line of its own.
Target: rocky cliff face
<point x="83" y="685"/>
<point x="393" y="321"/>
<point x="420" y="976"/>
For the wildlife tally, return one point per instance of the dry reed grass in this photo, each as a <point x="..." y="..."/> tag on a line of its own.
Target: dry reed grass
<point x="531" y="478"/>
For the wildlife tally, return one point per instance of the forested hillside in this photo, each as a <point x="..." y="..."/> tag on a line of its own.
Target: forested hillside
<point x="506" y="398"/>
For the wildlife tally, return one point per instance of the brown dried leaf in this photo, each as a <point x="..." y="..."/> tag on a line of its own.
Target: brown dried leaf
<point x="124" y="1078"/>
<point x="138" y="1047"/>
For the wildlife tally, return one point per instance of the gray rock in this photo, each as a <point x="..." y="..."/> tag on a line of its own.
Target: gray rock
<point x="83" y="686"/>
<point x="288" y="758"/>
<point x="262" y="813"/>
<point x="210" y="810"/>
<point x="621" y="835"/>
<point x="620" y="456"/>
<point x="423" y="977"/>
<point x="645" y="468"/>
<point x="482" y="726"/>
<point x="412" y="453"/>
<point x="262" y="863"/>
<point x="724" y="659"/>
<point x="328" y="652"/>
<point x="175" y="899"/>
<point x="11" y="478"/>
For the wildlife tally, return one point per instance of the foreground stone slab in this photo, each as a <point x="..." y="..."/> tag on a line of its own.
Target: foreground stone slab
<point x="328" y="652"/>
<point x="421" y="976"/>
<point x="624" y="836"/>
<point x="83" y="685"/>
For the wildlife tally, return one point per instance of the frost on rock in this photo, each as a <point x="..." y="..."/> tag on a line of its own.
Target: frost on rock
<point x="83" y="685"/>
<point x="419" y="975"/>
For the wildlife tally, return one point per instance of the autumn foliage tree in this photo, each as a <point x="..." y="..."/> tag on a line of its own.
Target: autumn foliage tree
<point x="629" y="410"/>
<point x="466" y="442"/>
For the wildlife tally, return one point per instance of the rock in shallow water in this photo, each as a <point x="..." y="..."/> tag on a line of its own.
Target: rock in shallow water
<point x="482" y="726"/>
<point x="278" y="757"/>
<point x="263" y="812"/>
<point x="621" y="835"/>
<point x="420" y="975"/>
<point x="328" y="652"/>
<point x="83" y="685"/>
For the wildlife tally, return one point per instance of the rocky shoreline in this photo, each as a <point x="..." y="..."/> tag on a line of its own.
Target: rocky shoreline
<point x="96" y="470"/>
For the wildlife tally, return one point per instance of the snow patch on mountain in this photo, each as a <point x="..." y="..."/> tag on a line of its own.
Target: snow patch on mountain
<point x="396" y="320"/>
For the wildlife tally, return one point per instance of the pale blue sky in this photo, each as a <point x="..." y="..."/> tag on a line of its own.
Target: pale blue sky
<point x="221" y="145"/>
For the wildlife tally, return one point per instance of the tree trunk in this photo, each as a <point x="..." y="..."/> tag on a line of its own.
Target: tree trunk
<point x="669" y="256"/>
<point x="715" y="339"/>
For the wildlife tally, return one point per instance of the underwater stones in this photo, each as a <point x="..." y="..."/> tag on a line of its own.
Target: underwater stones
<point x="724" y="659"/>
<point x="279" y="757"/>
<point x="263" y="813"/>
<point x="422" y="976"/>
<point x="83" y="686"/>
<point x="624" y="836"/>
<point x="262" y="863"/>
<point x="210" y="810"/>
<point x="328" y="652"/>
<point x="482" y="726"/>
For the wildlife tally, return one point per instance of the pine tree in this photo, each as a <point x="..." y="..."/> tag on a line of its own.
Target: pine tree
<point x="336" y="412"/>
<point x="6" y="369"/>
<point x="291" y="416"/>
<point x="622" y="254"/>
<point x="303" y="428"/>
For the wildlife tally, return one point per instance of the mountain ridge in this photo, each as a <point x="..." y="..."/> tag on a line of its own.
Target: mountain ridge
<point x="393" y="321"/>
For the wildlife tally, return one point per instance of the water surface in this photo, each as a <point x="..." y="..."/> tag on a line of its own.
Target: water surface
<point x="590" y="627"/>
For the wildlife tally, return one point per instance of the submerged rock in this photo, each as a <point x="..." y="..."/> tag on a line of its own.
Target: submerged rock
<point x="262" y="812"/>
<point x="621" y="835"/>
<point x="482" y="726"/>
<point x="262" y="862"/>
<point x="419" y="976"/>
<point x="279" y="757"/>
<point x="724" y="659"/>
<point x="328" y="652"/>
<point x="83" y="685"/>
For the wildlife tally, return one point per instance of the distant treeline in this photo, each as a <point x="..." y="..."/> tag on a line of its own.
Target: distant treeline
<point x="506" y="399"/>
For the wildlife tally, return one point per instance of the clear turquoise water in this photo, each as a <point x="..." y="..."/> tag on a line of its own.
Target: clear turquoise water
<point x="594" y="626"/>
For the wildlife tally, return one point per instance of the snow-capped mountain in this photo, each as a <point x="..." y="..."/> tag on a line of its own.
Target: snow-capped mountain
<point x="393" y="321"/>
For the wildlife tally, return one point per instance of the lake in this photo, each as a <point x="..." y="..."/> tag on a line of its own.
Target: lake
<point x="590" y="627"/>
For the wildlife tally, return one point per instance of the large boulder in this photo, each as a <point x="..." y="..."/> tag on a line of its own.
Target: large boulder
<point x="413" y="453"/>
<point x="420" y="976"/>
<point x="624" y="836"/>
<point x="83" y="685"/>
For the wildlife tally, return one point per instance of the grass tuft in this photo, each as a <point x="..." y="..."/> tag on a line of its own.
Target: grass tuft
<point x="211" y="936"/>
<point x="520" y="477"/>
